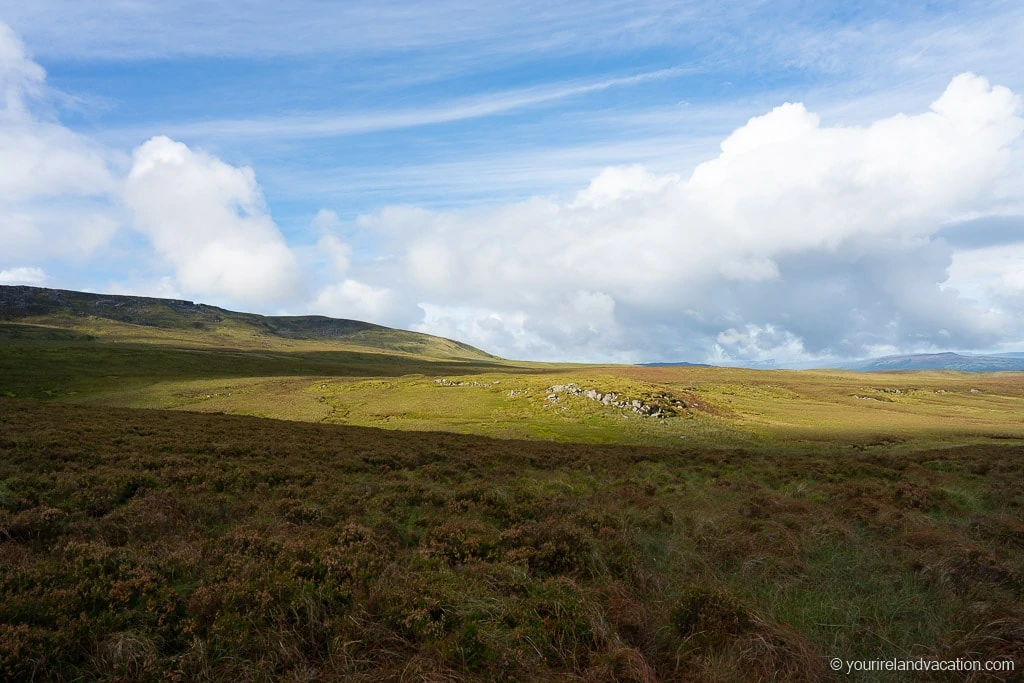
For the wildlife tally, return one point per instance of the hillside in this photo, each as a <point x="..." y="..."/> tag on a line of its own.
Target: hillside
<point x="153" y="353"/>
<point x="144" y="319"/>
<point x="1009" y="362"/>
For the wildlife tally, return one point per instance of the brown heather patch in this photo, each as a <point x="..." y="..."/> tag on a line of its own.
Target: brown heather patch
<point x="142" y="546"/>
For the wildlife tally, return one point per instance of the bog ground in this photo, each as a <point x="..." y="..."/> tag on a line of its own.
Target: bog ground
<point x="145" y="544"/>
<point x="629" y="523"/>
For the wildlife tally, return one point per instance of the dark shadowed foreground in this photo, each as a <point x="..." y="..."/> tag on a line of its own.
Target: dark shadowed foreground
<point x="143" y="545"/>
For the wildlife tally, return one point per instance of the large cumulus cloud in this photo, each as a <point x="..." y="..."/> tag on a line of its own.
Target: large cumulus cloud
<point x="64" y="197"/>
<point x="208" y="219"/>
<point x="798" y="239"/>
<point x="41" y="160"/>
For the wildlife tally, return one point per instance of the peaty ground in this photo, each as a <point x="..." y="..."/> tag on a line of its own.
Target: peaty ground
<point x="144" y="545"/>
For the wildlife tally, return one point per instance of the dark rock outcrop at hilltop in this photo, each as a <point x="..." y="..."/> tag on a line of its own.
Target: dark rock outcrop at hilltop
<point x="22" y="301"/>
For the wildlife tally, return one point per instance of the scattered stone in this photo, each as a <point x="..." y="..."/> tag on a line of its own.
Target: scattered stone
<point x="451" y="383"/>
<point x="665" y="405"/>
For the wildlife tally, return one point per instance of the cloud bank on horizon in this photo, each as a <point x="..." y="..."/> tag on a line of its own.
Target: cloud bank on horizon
<point x="795" y="238"/>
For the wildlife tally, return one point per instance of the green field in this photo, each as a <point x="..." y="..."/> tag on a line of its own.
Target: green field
<point x="511" y="520"/>
<point x="117" y="364"/>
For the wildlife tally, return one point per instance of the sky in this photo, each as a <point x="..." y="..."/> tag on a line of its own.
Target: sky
<point x="787" y="183"/>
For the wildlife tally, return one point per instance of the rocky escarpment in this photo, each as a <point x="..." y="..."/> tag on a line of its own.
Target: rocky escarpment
<point x="22" y="301"/>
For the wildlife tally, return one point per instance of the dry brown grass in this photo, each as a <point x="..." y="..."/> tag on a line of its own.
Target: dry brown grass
<point x="149" y="545"/>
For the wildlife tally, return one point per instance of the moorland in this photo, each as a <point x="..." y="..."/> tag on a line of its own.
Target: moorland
<point x="416" y="509"/>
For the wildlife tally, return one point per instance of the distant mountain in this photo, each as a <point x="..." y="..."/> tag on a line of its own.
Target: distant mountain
<point x="191" y="321"/>
<point x="769" y="364"/>
<point x="681" y="364"/>
<point x="1007" y="362"/>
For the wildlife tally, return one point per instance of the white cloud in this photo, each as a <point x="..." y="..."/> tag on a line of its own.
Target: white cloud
<point x="753" y="240"/>
<point x="41" y="157"/>
<point x="162" y="288"/>
<point x="758" y="343"/>
<point x="354" y="300"/>
<point x="616" y="184"/>
<point x="336" y="253"/>
<point x="995" y="273"/>
<point x="44" y="161"/>
<point x="20" y="77"/>
<point x="67" y="229"/>
<point x="209" y="221"/>
<point x="338" y="125"/>
<point x="501" y="333"/>
<point x="23" y="275"/>
<point x="206" y="219"/>
<point x="325" y="221"/>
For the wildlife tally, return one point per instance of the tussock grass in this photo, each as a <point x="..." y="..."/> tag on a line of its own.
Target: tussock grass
<point x="152" y="545"/>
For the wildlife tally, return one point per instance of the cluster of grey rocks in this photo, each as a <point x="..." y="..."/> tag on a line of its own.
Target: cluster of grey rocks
<point x="659" y="406"/>
<point x="457" y="383"/>
<point x="666" y="406"/>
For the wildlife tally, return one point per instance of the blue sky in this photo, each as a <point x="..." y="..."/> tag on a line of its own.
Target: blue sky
<point x="586" y="181"/>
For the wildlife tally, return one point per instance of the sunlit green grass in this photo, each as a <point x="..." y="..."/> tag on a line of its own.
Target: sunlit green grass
<point x="113" y="363"/>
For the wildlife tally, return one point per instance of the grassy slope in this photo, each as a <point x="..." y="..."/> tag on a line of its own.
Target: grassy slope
<point x="154" y="545"/>
<point x="114" y="363"/>
<point x="168" y="322"/>
<point x="45" y="361"/>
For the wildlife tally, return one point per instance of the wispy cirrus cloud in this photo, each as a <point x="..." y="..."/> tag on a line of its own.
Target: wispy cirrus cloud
<point x="146" y="29"/>
<point x="319" y="125"/>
